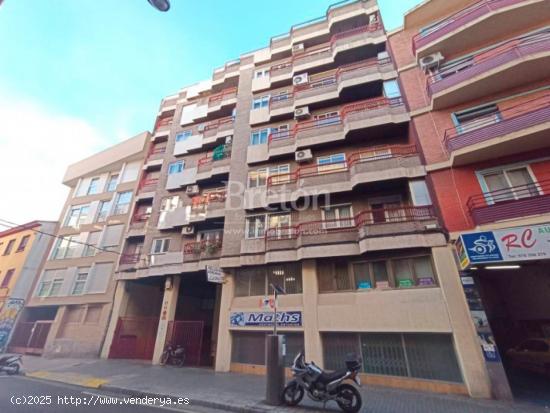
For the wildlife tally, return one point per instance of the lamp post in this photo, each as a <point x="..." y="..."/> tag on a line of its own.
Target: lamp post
<point x="275" y="368"/>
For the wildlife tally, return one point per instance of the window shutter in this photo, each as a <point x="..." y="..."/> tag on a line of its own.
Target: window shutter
<point x="99" y="277"/>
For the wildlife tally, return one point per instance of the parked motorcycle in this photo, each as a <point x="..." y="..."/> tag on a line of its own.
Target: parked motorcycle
<point x="10" y="363"/>
<point x="323" y="387"/>
<point x="175" y="356"/>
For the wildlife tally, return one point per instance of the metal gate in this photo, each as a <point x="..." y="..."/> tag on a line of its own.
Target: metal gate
<point x="31" y="336"/>
<point x="134" y="338"/>
<point x="189" y="335"/>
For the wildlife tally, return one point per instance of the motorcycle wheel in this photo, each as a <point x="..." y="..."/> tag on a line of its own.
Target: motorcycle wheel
<point x="13" y="370"/>
<point x="292" y="394"/>
<point x="179" y="362"/>
<point x="348" y="398"/>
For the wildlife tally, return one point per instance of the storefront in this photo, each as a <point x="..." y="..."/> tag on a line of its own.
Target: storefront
<point x="506" y="280"/>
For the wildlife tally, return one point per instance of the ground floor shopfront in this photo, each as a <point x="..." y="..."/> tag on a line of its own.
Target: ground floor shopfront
<point x="506" y="280"/>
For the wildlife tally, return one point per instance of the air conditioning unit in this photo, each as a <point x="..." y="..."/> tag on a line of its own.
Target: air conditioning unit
<point x="383" y="55"/>
<point x="228" y="140"/>
<point x="301" y="113"/>
<point x="298" y="48"/>
<point x="303" y="156"/>
<point x="192" y="190"/>
<point x="188" y="230"/>
<point x="300" y="79"/>
<point x="431" y="61"/>
<point x="201" y="127"/>
<point x="431" y="226"/>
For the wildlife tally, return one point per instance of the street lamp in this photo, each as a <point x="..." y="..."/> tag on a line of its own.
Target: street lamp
<point x="275" y="369"/>
<point x="160" y="5"/>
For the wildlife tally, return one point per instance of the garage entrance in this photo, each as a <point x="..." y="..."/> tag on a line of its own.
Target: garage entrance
<point x="516" y="298"/>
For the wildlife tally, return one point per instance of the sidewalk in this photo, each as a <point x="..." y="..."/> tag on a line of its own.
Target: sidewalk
<point x="239" y="392"/>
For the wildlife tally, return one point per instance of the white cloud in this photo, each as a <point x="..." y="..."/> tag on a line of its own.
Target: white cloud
<point x="36" y="146"/>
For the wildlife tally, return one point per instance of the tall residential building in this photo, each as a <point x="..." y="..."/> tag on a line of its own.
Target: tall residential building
<point x="296" y="165"/>
<point x="69" y="308"/>
<point x="22" y="251"/>
<point x="475" y="75"/>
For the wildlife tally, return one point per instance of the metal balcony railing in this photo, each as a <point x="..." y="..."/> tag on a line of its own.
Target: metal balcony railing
<point x="217" y="99"/>
<point x="485" y="61"/>
<point x="164" y="122"/>
<point x="200" y="203"/>
<point x="208" y="160"/>
<point x="370" y="155"/>
<point x="211" y="128"/>
<point x="459" y="19"/>
<point x="148" y="184"/>
<point x="514" y="202"/>
<point x="127" y="259"/>
<point x="141" y="217"/>
<point x="352" y="223"/>
<point x="208" y="247"/>
<point x="521" y="116"/>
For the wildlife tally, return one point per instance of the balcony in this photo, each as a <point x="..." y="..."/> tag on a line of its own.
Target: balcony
<point x="375" y="164"/>
<point x="156" y="152"/>
<point x="164" y="124"/>
<point x="480" y="23"/>
<point x="224" y="98"/>
<point x="354" y="116"/>
<point x="515" y="202"/>
<point x="207" y="206"/>
<point x="202" y="250"/>
<point x="523" y="127"/>
<point x="147" y="187"/>
<point x="504" y="67"/>
<point x="214" y="163"/>
<point x="138" y="224"/>
<point x="219" y="128"/>
<point x="370" y="230"/>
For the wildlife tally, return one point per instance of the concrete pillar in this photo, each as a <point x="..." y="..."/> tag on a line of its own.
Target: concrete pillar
<point x="466" y="341"/>
<point x="167" y="314"/>
<point x="49" y="345"/>
<point x="223" y="350"/>
<point x="120" y="302"/>
<point x="312" y="338"/>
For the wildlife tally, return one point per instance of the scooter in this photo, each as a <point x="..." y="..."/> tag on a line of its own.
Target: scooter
<point x="10" y="363"/>
<point x="175" y="356"/>
<point x="321" y="386"/>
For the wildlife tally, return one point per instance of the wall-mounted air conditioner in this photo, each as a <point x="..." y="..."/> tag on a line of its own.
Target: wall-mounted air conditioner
<point x="300" y="79"/>
<point x="303" y="155"/>
<point x="192" y="190"/>
<point x="431" y="61"/>
<point x="301" y="113"/>
<point x="188" y="230"/>
<point x="298" y="48"/>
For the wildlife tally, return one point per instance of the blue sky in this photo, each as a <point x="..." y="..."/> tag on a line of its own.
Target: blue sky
<point x="104" y="65"/>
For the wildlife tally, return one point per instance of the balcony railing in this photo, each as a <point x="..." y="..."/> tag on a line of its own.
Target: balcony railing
<point x="513" y="119"/>
<point x="200" y="203"/>
<point x="217" y="99"/>
<point x="141" y="217"/>
<point x="210" y="159"/>
<point x="352" y="223"/>
<point x="459" y="19"/>
<point x="514" y="202"/>
<point x="371" y="155"/>
<point x="164" y="122"/>
<point x="364" y="106"/>
<point x="128" y="259"/>
<point x="485" y="61"/>
<point x="148" y="184"/>
<point x="205" y="247"/>
<point x="211" y="128"/>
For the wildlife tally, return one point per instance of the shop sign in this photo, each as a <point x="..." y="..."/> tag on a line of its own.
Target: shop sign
<point x="265" y="319"/>
<point x="215" y="274"/>
<point x="511" y="244"/>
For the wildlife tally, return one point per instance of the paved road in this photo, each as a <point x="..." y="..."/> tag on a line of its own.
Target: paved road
<point x="24" y="395"/>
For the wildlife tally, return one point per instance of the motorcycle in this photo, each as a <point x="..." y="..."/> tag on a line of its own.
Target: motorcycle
<point x="10" y="363"/>
<point x="323" y="387"/>
<point x="175" y="356"/>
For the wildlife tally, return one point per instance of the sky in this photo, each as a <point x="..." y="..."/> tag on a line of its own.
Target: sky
<point x="77" y="76"/>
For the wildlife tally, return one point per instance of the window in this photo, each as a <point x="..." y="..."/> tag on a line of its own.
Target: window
<point x="122" y="205"/>
<point x="391" y="89"/>
<point x="103" y="210"/>
<point x="183" y="136"/>
<point x="343" y="275"/>
<point x="175" y="167"/>
<point x="279" y="174"/>
<point x="112" y="183"/>
<point x="55" y="288"/>
<point x="248" y="347"/>
<point x="255" y="226"/>
<point x="44" y="288"/>
<point x="160" y="245"/>
<point x="7" y="278"/>
<point x="168" y="204"/>
<point x="93" y="314"/>
<point x="99" y="278"/>
<point x="73" y="314"/>
<point x="509" y="184"/>
<point x="261" y="73"/>
<point x="257" y="178"/>
<point x="259" y="137"/>
<point x="338" y="217"/>
<point x="328" y="118"/>
<point x="23" y="243"/>
<point x="80" y="281"/>
<point x="9" y="247"/>
<point x="260" y="102"/>
<point x="428" y="356"/>
<point x="254" y="281"/>
<point x="111" y="237"/>
<point x="471" y="119"/>
<point x="77" y="216"/>
<point x="93" y="188"/>
<point x="279" y="226"/>
<point x="65" y="247"/>
<point x="419" y="193"/>
<point x="331" y="163"/>
<point x="91" y="244"/>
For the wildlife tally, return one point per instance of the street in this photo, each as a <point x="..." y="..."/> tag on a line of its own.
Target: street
<point x="24" y="395"/>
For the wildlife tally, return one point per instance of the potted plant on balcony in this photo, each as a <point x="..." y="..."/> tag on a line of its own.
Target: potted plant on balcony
<point x="212" y="247"/>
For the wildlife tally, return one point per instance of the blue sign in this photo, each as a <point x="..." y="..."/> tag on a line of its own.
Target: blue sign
<point x="265" y="319"/>
<point x="481" y="247"/>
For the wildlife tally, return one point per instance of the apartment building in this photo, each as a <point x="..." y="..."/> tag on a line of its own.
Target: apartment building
<point x="69" y="307"/>
<point x="23" y="249"/>
<point x="296" y="165"/>
<point x="475" y="75"/>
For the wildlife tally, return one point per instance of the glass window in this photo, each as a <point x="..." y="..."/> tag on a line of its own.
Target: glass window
<point x="77" y="216"/>
<point x="362" y="275"/>
<point x="331" y="163"/>
<point x="183" y="136"/>
<point x="80" y="281"/>
<point x="279" y="174"/>
<point x="380" y="273"/>
<point x="122" y="205"/>
<point x="55" y="288"/>
<point x="43" y="288"/>
<point x="403" y="273"/>
<point x="23" y="243"/>
<point x="261" y="73"/>
<point x="112" y="183"/>
<point x="257" y="178"/>
<point x="91" y="243"/>
<point x="160" y="245"/>
<point x="175" y="167"/>
<point x="103" y="210"/>
<point x="255" y="226"/>
<point x="7" y="278"/>
<point x="9" y="247"/>
<point x="510" y="184"/>
<point x="328" y="118"/>
<point x="93" y="188"/>
<point x="476" y="118"/>
<point x="420" y="193"/>
<point x="65" y="248"/>
<point x="279" y="225"/>
<point x="287" y="276"/>
<point x="338" y="217"/>
<point x="391" y="89"/>
<point x="259" y="137"/>
<point x="260" y="102"/>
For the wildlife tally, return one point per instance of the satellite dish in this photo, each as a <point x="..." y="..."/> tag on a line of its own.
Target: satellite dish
<point x="160" y="5"/>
